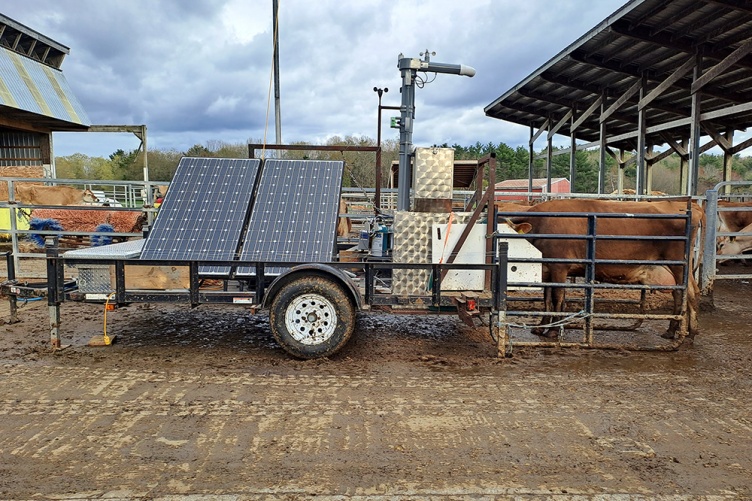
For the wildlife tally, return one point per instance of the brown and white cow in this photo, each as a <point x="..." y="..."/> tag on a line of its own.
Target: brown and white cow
<point x="53" y="195"/>
<point x="511" y="207"/>
<point x="734" y="220"/>
<point x="737" y="244"/>
<point x="617" y="249"/>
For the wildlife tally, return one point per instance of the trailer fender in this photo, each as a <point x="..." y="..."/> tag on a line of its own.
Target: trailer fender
<point x="316" y="269"/>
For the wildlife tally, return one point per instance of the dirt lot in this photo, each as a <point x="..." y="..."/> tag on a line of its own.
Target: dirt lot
<point x="202" y="403"/>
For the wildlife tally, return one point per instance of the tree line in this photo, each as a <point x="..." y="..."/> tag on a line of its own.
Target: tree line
<point x="512" y="163"/>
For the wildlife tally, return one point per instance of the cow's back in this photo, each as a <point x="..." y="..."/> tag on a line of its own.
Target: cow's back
<point x="734" y="220"/>
<point x="49" y="195"/>
<point x="628" y="226"/>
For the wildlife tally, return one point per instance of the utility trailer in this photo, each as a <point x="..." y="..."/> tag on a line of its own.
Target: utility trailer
<point x="262" y="234"/>
<point x="312" y="306"/>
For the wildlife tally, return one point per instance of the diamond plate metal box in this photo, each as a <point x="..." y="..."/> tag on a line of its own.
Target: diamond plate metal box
<point x="412" y="244"/>
<point x="96" y="278"/>
<point x="433" y="175"/>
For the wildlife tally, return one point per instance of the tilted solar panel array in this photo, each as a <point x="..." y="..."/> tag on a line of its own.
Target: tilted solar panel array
<point x="293" y="218"/>
<point x="203" y="212"/>
<point x="295" y="214"/>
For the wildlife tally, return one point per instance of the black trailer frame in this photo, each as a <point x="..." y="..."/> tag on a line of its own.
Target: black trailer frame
<point x="259" y="291"/>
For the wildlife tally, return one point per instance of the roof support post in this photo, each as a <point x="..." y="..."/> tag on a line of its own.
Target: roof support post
<point x="530" y="161"/>
<point x="549" y="155"/>
<point x="572" y="155"/>
<point x="694" y="133"/>
<point x="603" y="146"/>
<point x="622" y="167"/>
<point x="640" y="187"/>
<point x="684" y="166"/>
<point x="728" y="160"/>
<point x="649" y="170"/>
<point x="553" y="129"/>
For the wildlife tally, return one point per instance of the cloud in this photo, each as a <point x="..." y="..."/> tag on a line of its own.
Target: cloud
<point x="200" y="71"/>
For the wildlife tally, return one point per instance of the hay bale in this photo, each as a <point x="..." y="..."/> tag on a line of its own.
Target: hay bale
<point x="87" y="220"/>
<point x="27" y="171"/>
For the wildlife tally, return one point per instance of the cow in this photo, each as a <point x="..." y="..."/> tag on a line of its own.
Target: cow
<point x="511" y="207"/>
<point x="734" y="220"/>
<point x="737" y="244"/>
<point x="53" y="195"/>
<point x="615" y="249"/>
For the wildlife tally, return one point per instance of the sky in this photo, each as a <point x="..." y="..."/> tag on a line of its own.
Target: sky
<point x="200" y="70"/>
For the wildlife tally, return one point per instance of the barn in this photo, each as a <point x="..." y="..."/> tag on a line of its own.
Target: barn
<point x="35" y="101"/>
<point x="518" y="189"/>
<point x="656" y="78"/>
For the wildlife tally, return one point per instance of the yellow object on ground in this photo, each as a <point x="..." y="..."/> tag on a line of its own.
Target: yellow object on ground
<point x="22" y="222"/>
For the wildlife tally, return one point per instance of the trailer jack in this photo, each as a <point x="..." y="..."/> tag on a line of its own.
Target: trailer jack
<point x="467" y="309"/>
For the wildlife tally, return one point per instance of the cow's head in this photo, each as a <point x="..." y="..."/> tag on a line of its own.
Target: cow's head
<point x="89" y="197"/>
<point x="734" y="246"/>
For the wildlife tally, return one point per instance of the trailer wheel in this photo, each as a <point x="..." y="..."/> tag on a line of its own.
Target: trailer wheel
<point x="312" y="317"/>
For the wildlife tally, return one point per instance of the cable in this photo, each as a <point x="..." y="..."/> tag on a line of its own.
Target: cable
<point x="559" y="323"/>
<point x="105" y="337"/>
<point x="271" y="83"/>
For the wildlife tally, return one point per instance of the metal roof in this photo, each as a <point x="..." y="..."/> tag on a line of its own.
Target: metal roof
<point x="659" y="40"/>
<point x="32" y="87"/>
<point x="32" y="44"/>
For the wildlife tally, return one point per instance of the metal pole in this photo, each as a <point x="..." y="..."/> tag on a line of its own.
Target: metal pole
<point x="409" y="67"/>
<point x="277" y="110"/>
<point x="377" y="201"/>
<point x="407" y="113"/>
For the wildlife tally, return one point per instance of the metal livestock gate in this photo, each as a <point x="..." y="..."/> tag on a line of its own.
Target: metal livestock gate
<point x="522" y="313"/>
<point x="712" y="264"/>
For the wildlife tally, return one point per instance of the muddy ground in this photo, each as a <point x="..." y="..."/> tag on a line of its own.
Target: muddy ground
<point x="204" y="403"/>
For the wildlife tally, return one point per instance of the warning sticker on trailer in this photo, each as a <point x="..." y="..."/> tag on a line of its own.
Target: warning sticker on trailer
<point x="242" y="300"/>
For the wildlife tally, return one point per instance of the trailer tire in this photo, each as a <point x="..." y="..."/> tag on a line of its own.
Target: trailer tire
<point x="312" y="317"/>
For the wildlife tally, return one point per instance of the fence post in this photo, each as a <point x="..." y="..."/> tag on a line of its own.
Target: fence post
<point x="54" y="289"/>
<point x="709" y="243"/>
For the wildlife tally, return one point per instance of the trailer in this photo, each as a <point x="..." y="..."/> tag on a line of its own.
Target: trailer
<point x="261" y="234"/>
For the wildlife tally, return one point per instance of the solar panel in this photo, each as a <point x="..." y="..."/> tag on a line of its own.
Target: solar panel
<point x="203" y="212"/>
<point x="295" y="214"/>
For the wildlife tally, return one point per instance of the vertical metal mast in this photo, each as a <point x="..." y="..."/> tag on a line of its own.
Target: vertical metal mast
<point x="409" y="67"/>
<point x="277" y="111"/>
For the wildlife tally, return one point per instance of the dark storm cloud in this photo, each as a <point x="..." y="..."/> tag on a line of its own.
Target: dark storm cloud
<point x="200" y="71"/>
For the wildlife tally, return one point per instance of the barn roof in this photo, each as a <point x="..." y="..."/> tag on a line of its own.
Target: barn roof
<point x="33" y="89"/>
<point x="660" y="41"/>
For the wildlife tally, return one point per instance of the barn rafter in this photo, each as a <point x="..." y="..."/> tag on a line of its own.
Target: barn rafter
<point x="654" y="73"/>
